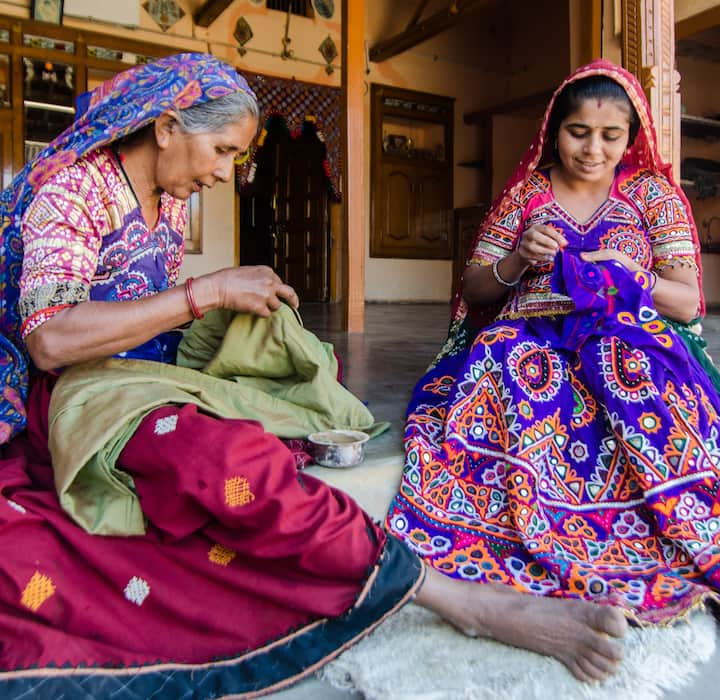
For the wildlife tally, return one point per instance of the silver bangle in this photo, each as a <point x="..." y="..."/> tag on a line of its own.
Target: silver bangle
<point x="499" y="279"/>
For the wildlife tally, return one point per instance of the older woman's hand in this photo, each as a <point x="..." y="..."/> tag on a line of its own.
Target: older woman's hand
<point x="540" y="243"/>
<point x="253" y="289"/>
<point x="94" y="329"/>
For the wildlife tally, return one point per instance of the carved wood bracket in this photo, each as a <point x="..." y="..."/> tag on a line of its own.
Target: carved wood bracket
<point x="649" y="53"/>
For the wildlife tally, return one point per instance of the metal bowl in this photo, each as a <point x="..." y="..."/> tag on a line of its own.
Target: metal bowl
<point x="338" y="448"/>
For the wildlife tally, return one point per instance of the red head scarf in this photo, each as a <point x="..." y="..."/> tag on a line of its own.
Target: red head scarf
<point x="642" y="153"/>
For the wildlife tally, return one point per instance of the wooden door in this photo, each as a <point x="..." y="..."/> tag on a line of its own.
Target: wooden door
<point x="432" y="200"/>
<point x="285" y="215"/>
<point x="396" y="216"/>
<point x="410" y="174"/>
<point x="301" y="231"/>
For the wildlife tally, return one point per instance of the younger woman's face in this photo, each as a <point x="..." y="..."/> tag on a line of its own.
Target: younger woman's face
<point x="592" y="140"/>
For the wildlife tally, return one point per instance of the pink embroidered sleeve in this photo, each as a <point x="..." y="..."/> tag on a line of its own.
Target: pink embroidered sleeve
<point x="500" y="238"/>
<point x="62" y="234"/>
<point x="666" y="222"/>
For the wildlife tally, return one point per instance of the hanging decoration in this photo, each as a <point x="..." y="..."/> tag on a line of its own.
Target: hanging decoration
<point x="329" y="52"/>
<point x="286" y="40"/>
<point x="242" y="34"/>
<point x="300" y="105"/>
<point x="164" y="12"/>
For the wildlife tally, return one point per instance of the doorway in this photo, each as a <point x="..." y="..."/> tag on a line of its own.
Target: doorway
<point x="285" y="211"/>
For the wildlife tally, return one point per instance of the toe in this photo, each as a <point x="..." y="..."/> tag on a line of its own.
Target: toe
<point x="607" y="647"/>
<point x="610" y="620"/>
<point x="591" y="670"/>
<point x="577" y="671"/>
<point x="604" y="663"/>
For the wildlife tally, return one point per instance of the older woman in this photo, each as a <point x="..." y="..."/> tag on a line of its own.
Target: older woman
<point x="189" y="554"/>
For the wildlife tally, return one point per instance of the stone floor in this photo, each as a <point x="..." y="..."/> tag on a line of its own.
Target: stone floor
<point x="381" y="366"/>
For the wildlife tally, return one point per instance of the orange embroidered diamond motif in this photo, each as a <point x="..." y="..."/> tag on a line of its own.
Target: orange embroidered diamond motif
<point x="220" y="554"/>
<point x="37" y="591"/>
<point x="237" y="491"/>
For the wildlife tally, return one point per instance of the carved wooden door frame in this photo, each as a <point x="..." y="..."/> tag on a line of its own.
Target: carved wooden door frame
<point x="648" y="50"/>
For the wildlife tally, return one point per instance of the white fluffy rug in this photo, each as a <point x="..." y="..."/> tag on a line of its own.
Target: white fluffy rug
<point x="414" y="655"/>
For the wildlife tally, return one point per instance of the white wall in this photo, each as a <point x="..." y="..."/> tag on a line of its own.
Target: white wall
<point x="218" y="231"/>
<point x="444" y="67"/>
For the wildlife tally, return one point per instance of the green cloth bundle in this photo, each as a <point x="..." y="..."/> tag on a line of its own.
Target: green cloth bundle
<point x="230" y="365"/>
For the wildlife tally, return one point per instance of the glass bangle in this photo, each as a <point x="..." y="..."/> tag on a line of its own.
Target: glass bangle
<point x="498" y="277"/>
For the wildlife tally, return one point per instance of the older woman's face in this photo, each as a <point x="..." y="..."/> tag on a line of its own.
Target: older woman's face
<point x="190" y="162"/>
<point x="592" y="140"/>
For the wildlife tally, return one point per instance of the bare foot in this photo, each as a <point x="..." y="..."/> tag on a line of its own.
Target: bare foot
<point x="582" y="635"/>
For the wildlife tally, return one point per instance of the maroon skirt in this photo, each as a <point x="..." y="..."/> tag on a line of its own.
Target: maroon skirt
<point x="251" y="574"/>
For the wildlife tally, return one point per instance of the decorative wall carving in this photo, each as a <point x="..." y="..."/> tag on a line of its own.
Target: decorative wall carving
<point x="649" y="53"/>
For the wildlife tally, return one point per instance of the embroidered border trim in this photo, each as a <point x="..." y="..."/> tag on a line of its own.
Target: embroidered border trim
<point x="392" y="583"/>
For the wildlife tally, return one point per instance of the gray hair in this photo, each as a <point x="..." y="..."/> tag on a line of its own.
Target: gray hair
<point x="215" y="115"/>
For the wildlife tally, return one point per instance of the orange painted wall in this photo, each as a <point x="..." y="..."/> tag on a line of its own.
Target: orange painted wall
<point x="500" y="58"/>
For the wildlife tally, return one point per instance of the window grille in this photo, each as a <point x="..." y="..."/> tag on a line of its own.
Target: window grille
<point x="297" y="7"/>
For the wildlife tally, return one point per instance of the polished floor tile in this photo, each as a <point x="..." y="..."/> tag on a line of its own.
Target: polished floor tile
<point x="381" y="366"/>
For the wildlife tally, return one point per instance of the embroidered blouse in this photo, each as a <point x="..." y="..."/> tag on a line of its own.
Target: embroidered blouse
<point x="642" y="217"/>
<point x="85" y="238"/>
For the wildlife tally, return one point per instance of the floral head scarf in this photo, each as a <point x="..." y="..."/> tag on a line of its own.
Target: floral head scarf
<point x="115" y="109"/>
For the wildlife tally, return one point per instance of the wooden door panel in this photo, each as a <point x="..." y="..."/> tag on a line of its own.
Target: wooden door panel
<point x="285" y="213"/>
<point x="432" y="219"/>
<point x="397" y="210"/>
<point x="305" y="231"/>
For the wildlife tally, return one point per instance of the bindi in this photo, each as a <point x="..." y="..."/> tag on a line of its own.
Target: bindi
<point x="599" y="103"/>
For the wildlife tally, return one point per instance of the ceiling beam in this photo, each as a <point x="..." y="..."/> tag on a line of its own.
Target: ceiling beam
<point x="456" y="12"/>
<point x="697" y="23"/>
<point x="417" y="14"/>
<point x="518" y="104"/>
<point x="206" y="14"/>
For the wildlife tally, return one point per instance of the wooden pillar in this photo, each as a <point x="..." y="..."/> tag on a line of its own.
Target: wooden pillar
<point x="649" y="53"/>
<point x="585" y="31"/>
<point x="354" y="182"/>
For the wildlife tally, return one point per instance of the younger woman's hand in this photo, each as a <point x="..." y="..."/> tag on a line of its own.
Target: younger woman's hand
<point x="539" y="244"/>
<point x="611" y="254"/>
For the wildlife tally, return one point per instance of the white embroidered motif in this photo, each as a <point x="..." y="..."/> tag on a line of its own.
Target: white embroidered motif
<point x="137" y="590"/>
<point x="165" y="425"/>
<point x="16" y="506"/>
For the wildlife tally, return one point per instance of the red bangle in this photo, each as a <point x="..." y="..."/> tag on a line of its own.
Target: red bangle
<point x="191" y="299"/>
